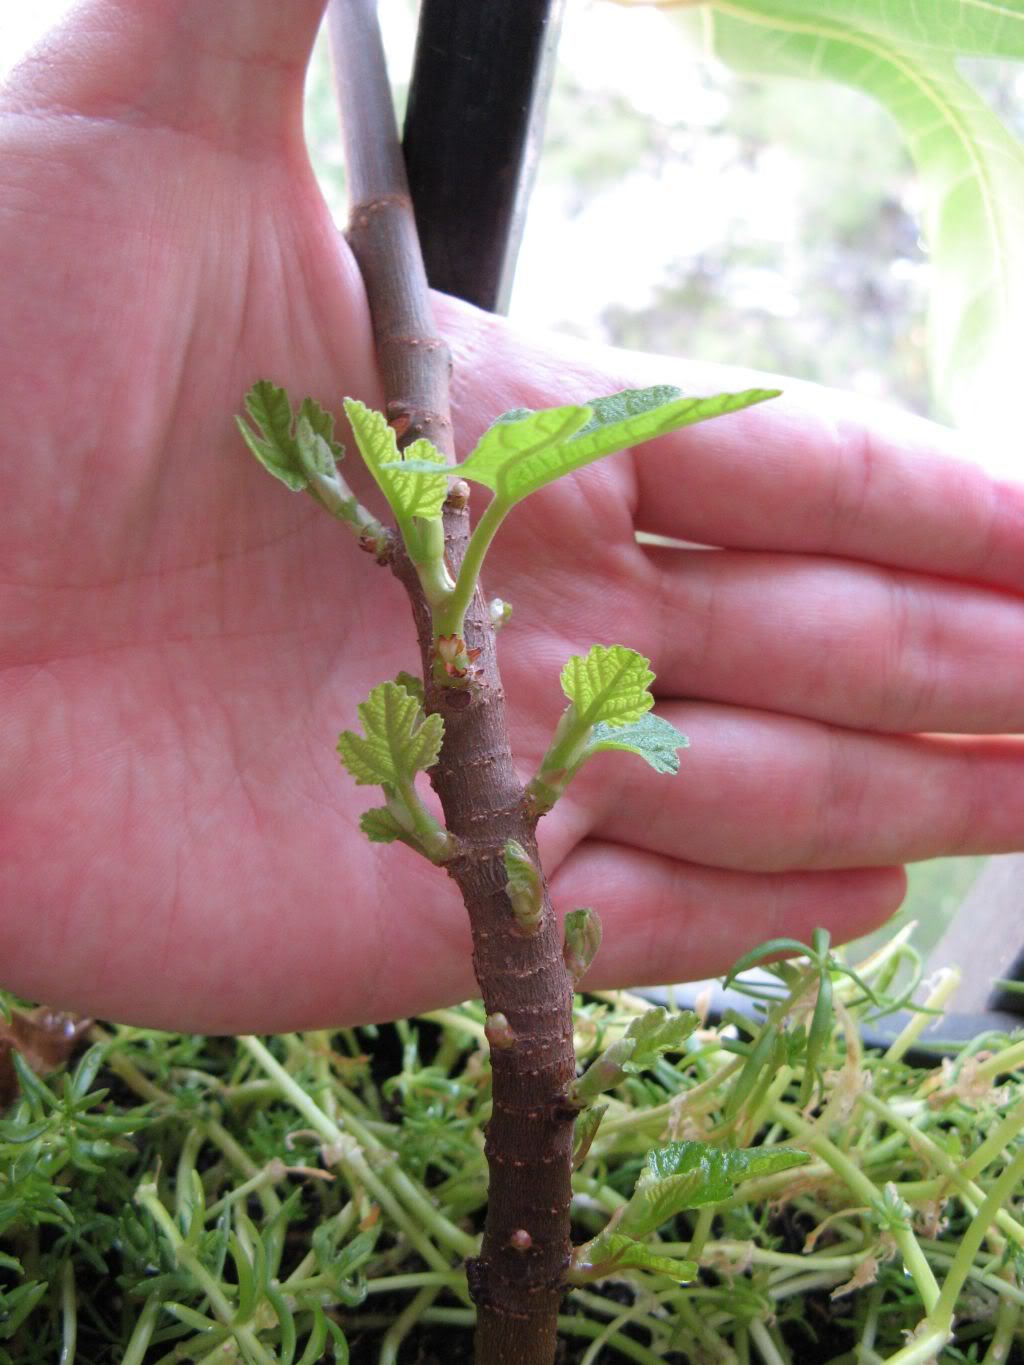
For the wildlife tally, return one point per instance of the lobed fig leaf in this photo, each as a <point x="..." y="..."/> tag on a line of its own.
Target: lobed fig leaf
<point x="399" y="741"/>
<point x="688" y="1175"/>
<point x="409" y="495"/>
<point x="609" y="685"/>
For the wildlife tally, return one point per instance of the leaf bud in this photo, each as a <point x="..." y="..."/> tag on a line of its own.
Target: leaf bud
<point x="523" y="887"/>
<point x="498" y="1032"/>
<point x="458" y="495"/>
<point x="500" y="612"/>
<point x="582" y="940"/>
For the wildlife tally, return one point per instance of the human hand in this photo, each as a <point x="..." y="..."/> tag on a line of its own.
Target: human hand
<point x="180" y="642"/>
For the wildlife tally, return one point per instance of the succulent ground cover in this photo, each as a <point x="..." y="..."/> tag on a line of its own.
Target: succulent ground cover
<point x="169" y="1197"/>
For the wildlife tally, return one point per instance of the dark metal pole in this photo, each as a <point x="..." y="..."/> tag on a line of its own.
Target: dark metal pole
<point x="473" y="126"/>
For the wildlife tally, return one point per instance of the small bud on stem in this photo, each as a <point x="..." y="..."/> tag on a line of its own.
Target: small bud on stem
<point x="523" y="887"/>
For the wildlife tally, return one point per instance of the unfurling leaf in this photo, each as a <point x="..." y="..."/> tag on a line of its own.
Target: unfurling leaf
<point x="380" y="826"/>
<point x="399" y="741"/>
<point x="413" y="685"/>
<point x="275" y="446"/>
<point x="611" y="1252"/>
<point x="582" y="940"/>
<point x="688" y="1175"/>
<point x="653" y="738"/>
<point x="609" y="684"/>
<point x="604" y="1073"/>
<point x="657" y="1031"/>
<point x="409" y="495"/>
<point x="584" y="1131"/>
<point x="523" y="886"/>
<point x="648" y="1036"/>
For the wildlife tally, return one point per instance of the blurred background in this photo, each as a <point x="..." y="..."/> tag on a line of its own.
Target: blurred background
<point x="683" y="209"/>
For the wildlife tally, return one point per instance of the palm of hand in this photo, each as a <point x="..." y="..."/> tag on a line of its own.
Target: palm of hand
<point x="185" y="640"/>
<point x="180" y="641"/>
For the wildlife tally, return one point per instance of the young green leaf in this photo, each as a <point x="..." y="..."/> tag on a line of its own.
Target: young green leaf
<point x="524" y="450"/>
<point x="688" y="1175"/>
<point x="413" y="685"/>
<point x="409" y="495"/>
<point x="275" y="447"/>
<point x="584" y="1131"/>
<point x="609" y="684"/>
<point x="654" y="1032"/>
<point x="651" y="737"/>
<point x="582" y="940"/>
<point x="380" y="826"/>
<point x="399" y="740"/>
<point x="519" y="444"/>
<point x="610" y="1252"/>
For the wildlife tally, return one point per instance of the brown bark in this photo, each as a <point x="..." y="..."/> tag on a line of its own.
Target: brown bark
<point x="517" y="1280"/>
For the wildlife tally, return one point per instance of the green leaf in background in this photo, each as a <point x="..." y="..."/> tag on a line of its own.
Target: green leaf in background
<point x="409" y="495"/>
<point x="610" y="1253"/>
<point x="608" y="684"/>
<point x="399" y="740"/>
<point x="687" y="1175"/>
<point x="653" y="738"/>
<point x="274" y="445"/>
<point x="971" y="166"/>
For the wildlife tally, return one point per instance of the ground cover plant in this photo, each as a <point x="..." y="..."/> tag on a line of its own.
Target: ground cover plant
<point x="168" y="1197"/>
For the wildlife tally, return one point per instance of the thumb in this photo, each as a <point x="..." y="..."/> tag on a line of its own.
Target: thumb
<point x="228" y="71"/>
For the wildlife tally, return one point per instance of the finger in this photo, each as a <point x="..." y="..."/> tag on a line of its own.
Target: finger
<point x="231" y="73"/>
<point x="815" y="471"/>
<point x="767" y="793"/>
<point x="666" y="921"/>
<point x="851" y="644"/>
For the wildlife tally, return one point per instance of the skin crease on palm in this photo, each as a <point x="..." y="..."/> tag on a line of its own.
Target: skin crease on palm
<point x="181" y="639"/>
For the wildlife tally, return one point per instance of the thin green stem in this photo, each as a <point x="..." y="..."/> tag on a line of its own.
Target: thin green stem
<point x="1002" y="1188"/>
<point x="766" y="1347"/>
<point x="142" y="1332"/>
<point x="405" y="1322"/>
<point x="913" y="1257"/>
<point x="69" y="1314"/>
<point x="449" y="618"/>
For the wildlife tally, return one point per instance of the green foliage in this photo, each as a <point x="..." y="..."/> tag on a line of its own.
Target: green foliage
<point x="399" y="742"/>
<point x="652" y="738"/>
<point x="688" y="1175"/>
<point x="970" y="165"/>
<point x="609" y="685"/>
<point x="163" y="1167"/>
<point x="610" y="701"/>
<point x="611" y="1253"/>
<point x="523" y="450"/>
<point x="275" y="443"/>
<point x="647" y="1037"/>
<point x="380" y="826"/>
<point x="409" y="496"/>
